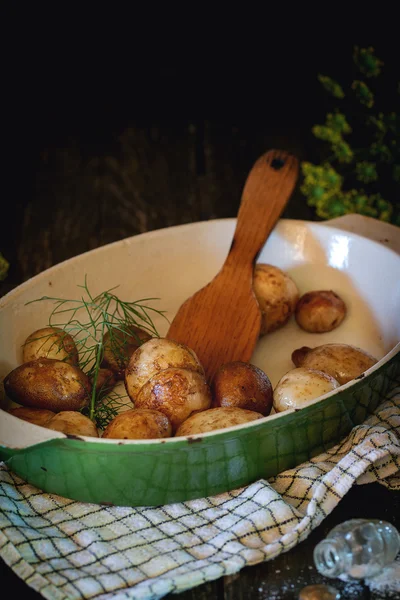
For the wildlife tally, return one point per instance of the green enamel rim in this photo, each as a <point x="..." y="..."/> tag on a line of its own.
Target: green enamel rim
<point x="151" y="474"/>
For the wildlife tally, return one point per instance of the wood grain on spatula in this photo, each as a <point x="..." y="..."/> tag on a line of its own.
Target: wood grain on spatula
<point x="221" y="322"/>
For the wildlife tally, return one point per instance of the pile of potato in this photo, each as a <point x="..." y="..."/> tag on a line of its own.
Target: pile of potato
<point x="164" y="383"/>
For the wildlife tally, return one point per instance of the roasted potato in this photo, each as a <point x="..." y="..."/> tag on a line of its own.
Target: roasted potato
<point x="37" y="416"/>
<point x="216" y="418"/>
<point x="176" y="393"/>
<point x="139" y="424"/>
<point x="320" y="311"/>
<point x="47" y="383"/>
<point x="50" y="342"/>
<point x="242" y="385"/>
<point x="300" y="385"/>
<point x="120" y="345"/>
<point x="277" y="296"/>
<point x="342" y="361"/>
<point x="153" y="357"/>
<point x="72" y="422"/>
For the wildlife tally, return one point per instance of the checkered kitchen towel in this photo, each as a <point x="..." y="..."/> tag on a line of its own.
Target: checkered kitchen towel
<point x="71" y="550"/>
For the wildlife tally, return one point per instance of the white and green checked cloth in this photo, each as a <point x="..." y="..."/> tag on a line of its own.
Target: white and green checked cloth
<point x="71" y="550"/>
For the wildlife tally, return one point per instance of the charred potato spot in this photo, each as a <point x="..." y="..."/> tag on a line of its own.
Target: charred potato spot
<point x="216" y="418"/>
<point x="242" y="385"/>
<point x="176" y="393"/>
<point x="301" y="385"/>
<point x="72" y="423"/>
<point x="37" y="416"/>
<point x="139" y="424"/>
<point x="120" y="345"/>
<point x="50" y="342"/>
<point x="47" y="383"/>
<point x="155" y="356"/>
<point x="320" y="311"/>
<point x="277" y="296"/>
<point x="342" y="361"/>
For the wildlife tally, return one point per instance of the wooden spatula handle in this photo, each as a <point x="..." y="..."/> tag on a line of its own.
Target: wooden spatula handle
<point x="269" y="183"/>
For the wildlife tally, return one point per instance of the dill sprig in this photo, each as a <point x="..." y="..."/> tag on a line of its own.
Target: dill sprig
<point x="87" y="320"/>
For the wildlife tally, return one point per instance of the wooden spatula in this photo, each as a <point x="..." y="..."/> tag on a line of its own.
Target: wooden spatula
<point x="221" y="322"/>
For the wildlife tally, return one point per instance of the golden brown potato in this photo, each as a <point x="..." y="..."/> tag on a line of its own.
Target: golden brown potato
<point x="242" y="385"/>
<point x="48" y="383"/>
<point x="139" y="424"/>
<point x="300" y="385"/>
<point x="176" y="393"/>
<point x="119" y="347"/>
<point x="342" y="361"/>
<point x="72" y="422"/>
<point x="277" y="296"/>
<point x="50" y="342"/>
<point x="320" y="311"/>
<point x="153" y="357"/>
<point x="37" y="416"/>
<point x="216" y="418"/>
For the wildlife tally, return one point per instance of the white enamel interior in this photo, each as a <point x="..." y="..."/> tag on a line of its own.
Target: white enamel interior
<point x="171" y="264"/>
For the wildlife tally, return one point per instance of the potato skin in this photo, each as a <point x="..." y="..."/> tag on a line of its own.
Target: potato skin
<point x="72" y="422"/>
<point x="299" y="355"/>
<point x="342" y="361"/>
<point x="139" y="424"/>
<point x="176" y="393"/>
<point x="301" y="385"/>
<point x="50" y="342"/>
<point x="277" y="296"/>
<point x="242" y="385"/>
<point x="47" y="383"/>
<point x="153" y="357"/>
<point x="37" y="416"/>
<point x="216" y="418"/>
<point x="320" y="311"/>
<point x="119" y="347"/>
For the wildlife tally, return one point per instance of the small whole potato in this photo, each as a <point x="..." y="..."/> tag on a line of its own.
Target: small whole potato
<point x="277" y="296"/>
<point x="216" y="418"/>
<point x="320" y="311"/>
<point x="50" y="342"/>
<point x="342" y="361"/>
<point x="47" y="383"/>
<point x="301" y="385"/>
<point x="72" y="422"/>
<point x="242" y="385"/>
<point x="37" y="416"/>
<point x="120" y="345"/>
<point x="176" y="393"/>
<point x="139" y="424"/>
<point x="153" y="357"/>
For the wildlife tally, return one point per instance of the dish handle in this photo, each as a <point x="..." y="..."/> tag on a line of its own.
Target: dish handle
<point x="379" y="231"/>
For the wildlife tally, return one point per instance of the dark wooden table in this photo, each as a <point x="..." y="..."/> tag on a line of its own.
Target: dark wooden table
<point x="100" y="162"/>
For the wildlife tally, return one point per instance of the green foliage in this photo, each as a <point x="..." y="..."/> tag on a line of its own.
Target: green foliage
<point x="4" y="266"/>
<point x="359" y="170"/>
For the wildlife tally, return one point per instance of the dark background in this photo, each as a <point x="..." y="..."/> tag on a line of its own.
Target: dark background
<point x="113" y="129"/>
